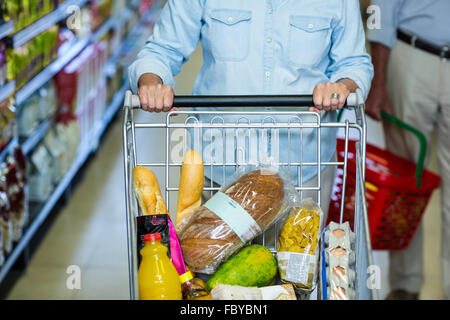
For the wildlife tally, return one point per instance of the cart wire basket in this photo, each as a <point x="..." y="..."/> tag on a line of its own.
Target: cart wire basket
<point x="249" y="114"/>
<point x="397" y="191"/>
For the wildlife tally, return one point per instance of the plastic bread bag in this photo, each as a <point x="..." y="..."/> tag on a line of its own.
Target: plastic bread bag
<point x="298" y="247"/>
<point x="256" y="197"/>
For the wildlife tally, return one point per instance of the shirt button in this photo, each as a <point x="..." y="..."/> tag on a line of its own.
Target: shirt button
<point x="270" y="11"/>
<point x="230" y="19"/>
<point x="310" y="26"/>
<point x="268" y="74"/>
<point x="269" y="40"/>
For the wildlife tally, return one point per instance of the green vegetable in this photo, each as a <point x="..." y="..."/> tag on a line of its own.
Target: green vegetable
<point x="252" y="266"/>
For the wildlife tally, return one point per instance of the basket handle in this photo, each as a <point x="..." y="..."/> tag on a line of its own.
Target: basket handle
<point x="422" y="141"/>
<point x="420" y="136"/>
<point x="237" y="101"/>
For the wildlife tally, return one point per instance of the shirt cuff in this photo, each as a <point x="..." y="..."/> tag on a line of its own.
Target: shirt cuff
<point x="354" y="76"/>
<point x="141" y="67"/>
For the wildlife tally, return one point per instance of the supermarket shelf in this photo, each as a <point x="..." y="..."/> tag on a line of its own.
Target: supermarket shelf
<point x="11" y="145"/>
<point x="7" y="90"/>
<point x="83" y="153"/>
<point x="46" y="22"/>
<point x="6" y="29"/>
<point x="38" y="214"/>
<point x="44" y="212"/>
<point x="49" y="72"/>
<point x="104" y="29"/>
<point x="36" y="137"/>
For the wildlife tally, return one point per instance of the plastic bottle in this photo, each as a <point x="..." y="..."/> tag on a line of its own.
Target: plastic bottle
<point x="158" y="279"/>
<point x="193" y="289"/>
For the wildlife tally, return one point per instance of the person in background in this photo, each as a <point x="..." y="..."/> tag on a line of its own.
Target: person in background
<point x="411" y="56"/>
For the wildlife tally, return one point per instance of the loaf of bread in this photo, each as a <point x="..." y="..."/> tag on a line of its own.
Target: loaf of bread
<point x="207" y="240"/>
<point x="191" y="186"/>
<point x="148" y="194"/>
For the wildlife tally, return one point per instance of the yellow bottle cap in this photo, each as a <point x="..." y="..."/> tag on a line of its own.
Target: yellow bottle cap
<point x="185" y="277"/>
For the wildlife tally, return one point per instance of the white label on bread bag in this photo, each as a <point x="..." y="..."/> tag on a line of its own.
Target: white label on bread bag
<point x="239" y="220"/>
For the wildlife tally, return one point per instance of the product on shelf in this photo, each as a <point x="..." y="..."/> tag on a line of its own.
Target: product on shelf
<point x="158" y="279"/>
<point x="56" y="150"/>
<point x="15" y="181"/>
<point x="28" y="116"/>
<point x="25" y="62"/>
<point x="298" y="245"/>
<point x="7" y="122"/>
<point x="20" y="161"/>
<point x="40" y="175"/>
<point x="52" y="158"/>
<point x="68" y="133"/>
<point x="191" y="186"/>
<point x="81" y="89"/>
<point x="2" y="254"/>
<point x="228" y="292"/>
<point x="5" y="211"/>
<point x="100" y="11"/>
<point x="193" y="288"/>
<point x="252" y="266"/>
<point x="13" y="201"/>
<point x="25" y="12"/>
<point x="233" y="216"/>
<point x="48" y="103"/>
<point x="3" y="64"/>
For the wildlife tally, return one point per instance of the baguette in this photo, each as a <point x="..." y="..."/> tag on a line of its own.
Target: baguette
<point x="191" y="186"/>
<point x="148" y="194"/>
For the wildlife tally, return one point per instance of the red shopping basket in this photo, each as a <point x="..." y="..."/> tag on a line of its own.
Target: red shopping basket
<point x="397" y="192"/>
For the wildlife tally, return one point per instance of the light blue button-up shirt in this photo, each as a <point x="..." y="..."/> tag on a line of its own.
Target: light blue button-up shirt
<point x="427" y="19"/>
<point x="257" y="47"/>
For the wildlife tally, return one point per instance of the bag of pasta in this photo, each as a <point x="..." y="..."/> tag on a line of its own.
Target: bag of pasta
<point x="298" y="245"/>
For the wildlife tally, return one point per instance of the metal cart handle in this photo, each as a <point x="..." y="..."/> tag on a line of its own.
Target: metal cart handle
<point x="133" y="101"/>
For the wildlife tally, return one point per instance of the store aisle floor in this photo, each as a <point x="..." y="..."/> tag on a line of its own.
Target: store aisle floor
<point x="89" y="233"/>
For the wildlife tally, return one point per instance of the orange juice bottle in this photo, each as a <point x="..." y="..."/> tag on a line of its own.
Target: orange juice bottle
<point x="158" y="279"/>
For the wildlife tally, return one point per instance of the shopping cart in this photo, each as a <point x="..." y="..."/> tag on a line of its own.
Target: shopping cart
<point x="298" y="123"/>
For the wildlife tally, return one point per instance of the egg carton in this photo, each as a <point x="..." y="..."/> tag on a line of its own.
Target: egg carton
<point x="340" y="293"/>
<point x="338" y="263"/>
<point x="340" y="235"/>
